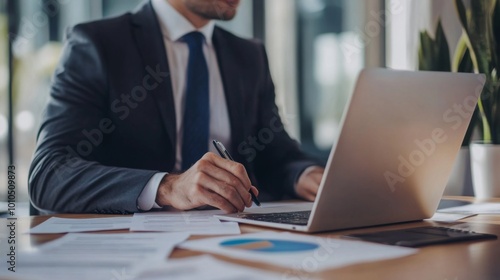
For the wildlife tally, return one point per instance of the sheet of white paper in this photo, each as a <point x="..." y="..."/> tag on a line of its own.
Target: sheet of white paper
<point x="302" y="252"/>
<point x="192" y="222"/>
<point x="63" y="225"/>
<point x="479" y="208"/>
<point x="448" y="217"/>
<point x="95" y="256"/>
<point x="202" y="267"/>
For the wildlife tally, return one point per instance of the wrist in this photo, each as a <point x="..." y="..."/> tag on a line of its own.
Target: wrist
<point x="165" y="190"/>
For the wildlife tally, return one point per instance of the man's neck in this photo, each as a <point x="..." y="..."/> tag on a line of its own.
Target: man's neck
<point x="196" y="20"/>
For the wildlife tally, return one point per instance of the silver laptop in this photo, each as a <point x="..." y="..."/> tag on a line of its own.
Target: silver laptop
<point x="400" y="134"/>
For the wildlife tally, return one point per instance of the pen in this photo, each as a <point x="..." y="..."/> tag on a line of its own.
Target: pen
<point x="225" y="154"/>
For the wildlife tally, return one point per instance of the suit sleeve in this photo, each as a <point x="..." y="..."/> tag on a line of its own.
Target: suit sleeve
<point x="281" y="161"/>
<point x="65" y="174"/>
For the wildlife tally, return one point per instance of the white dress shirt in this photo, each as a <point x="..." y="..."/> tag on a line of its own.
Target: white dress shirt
<point x="173" y="27"/>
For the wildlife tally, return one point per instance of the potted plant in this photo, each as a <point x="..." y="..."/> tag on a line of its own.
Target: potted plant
<point x="434" y="55"/>
<point x="481" y="34"/>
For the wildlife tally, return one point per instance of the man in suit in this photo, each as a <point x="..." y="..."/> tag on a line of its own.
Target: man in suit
<point x="135" y="102"/>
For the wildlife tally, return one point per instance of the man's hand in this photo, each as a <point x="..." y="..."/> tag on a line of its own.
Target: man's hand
<point x="308" y="183"/>
<point x="213" y="181"/>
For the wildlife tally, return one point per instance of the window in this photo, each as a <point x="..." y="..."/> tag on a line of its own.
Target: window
<point x="336" y="39"/>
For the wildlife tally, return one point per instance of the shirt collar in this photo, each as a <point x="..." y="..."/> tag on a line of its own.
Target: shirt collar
<point x="174" y="25"/>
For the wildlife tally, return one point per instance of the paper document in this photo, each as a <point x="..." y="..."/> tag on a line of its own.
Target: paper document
<point x="297" y="251"/>
<point x="449" y="217"/>
<point x="192" y="222"/>
<point x="477" y="208"/>
<point x="95" y="256"/>
<point x="63" y="225"/>
<point x="203" y="267"/>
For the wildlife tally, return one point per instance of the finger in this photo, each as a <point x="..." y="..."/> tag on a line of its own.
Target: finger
<point x="313" y="179"/>
<point x="307" y="195"/>
<point x="310" y="197"/>
<point x="223" y="189"/>
<point x="254" y="190"/>
<point x="255" y="193"/>
<point x="223" y="175"/>
<point x="237" y="169"/>
<point x="316" y="173"/>
<point x="307" y="189"/>
<point x="310" y="194"/>
<point x="312" y="185"/>
<point x="317" y="177"/>
<point x="310" y="190"/>
<point x="217" y="201"/>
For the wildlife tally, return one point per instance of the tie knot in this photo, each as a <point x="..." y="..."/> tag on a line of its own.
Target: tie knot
<point x="194" y="39"/>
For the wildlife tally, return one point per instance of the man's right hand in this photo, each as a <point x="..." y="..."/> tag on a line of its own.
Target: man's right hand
<point x="213" y="181"/>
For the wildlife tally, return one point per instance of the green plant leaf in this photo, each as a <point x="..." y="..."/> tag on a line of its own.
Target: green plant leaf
<point x="496" y="32"/>
<point x="462" y="15"/>
<point x="462" y="61"/>
<point x="425" y="52"/>
<point x="434" y="54"/>
<point x="470" y="130"/>
<point x="442" y="50"/>
<point x="486" y="125"/>
<point x="480" y="35"/>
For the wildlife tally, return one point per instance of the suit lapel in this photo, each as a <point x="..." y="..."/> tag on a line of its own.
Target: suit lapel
<point x="147" y="32"/>
<point x="233" y="89"/>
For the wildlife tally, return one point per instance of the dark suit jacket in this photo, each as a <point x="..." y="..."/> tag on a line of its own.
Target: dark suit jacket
<point x="110" y="122"/>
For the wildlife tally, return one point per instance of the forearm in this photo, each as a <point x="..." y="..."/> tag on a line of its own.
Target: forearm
<point x="64" y="183"/>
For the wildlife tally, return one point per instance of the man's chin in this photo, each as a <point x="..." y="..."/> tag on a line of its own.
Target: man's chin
<point x="214" y="9"/>
<point x="226" y="10"/>
<point x="229" y="15"/>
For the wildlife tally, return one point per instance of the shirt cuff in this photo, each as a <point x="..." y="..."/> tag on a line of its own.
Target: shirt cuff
<point x="147" y="198"/>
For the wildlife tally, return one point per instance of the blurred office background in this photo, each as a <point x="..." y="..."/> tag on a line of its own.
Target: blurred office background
<point x="316" y="49"/>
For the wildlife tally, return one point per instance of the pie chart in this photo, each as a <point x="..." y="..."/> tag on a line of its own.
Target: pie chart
<point x="269" y="245"/>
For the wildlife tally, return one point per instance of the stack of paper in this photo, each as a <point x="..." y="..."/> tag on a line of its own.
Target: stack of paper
<point x="192" y="222"/>
<point x="63" y="225"/>
<point x="95" y="256"/>
<point x="476" y="208"/>
<point x="203" y="267"/>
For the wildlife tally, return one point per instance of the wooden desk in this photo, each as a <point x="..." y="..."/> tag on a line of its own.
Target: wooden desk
<point x="466" y="260"/>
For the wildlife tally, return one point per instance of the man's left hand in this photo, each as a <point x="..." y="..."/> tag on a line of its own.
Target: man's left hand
<point x="308" y="183"/>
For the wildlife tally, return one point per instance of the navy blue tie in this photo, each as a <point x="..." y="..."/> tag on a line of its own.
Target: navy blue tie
<point x="196" y="110"/>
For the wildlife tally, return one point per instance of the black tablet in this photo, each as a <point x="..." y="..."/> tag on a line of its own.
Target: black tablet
<point x="422" y="236"/>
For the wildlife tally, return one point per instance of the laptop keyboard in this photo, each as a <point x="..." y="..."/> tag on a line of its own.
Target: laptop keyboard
<point x="292" y="218"/>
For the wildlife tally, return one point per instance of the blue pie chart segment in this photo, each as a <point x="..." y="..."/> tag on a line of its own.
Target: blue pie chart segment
<point x="269" y="245"/>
